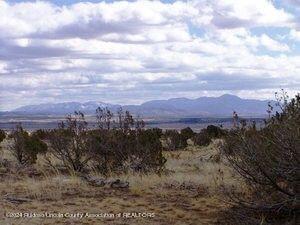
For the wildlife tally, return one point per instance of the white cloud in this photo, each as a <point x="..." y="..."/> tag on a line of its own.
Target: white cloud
<point x="3" y="66"/>
<point x="89" y="20"/>
<point x="245" y="13"/>
<point x="273" y="45"/>
<point x="294" y="35"/>
<point x="87" y="50"/>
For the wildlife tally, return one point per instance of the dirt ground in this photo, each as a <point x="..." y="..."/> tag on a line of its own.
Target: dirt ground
<point x="187" y="193"/>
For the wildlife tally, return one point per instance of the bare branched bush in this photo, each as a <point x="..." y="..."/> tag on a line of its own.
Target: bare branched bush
<point x="104" y="118"/>
<point x="268" y="161"/>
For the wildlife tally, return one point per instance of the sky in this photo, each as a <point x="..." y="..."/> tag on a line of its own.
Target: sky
<point x="129" y="52"/>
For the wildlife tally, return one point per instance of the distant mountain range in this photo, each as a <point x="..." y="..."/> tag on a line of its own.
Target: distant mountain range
<point x="175" y="107"/>
<point x="63" y="108"/>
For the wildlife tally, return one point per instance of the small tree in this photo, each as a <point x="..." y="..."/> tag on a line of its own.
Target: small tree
<point x="71" y="143"/>
<point x="104" y="118"/>
<point x="202" y="138"/>
<point x="214" y="131"/>
<point x="149" y="151"/>
<point x="40" y="134"/>
<point x="2" y="135"/>
<point x="25" y="147"/>
<point x="187" y="133"/>
<point x="173" y="140"/>
<point x="125" y="120"/>
<point x="110" y="148"/>
<point x="235" y="118"/>
<point x="125" y="144"/>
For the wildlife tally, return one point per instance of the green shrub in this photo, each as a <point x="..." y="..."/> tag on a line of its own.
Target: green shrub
<point x="126" y="145"/>
<point x="2" y="135"/>
<point x="25" y="147"/>
<point x="40" y="134"/>
<point x="157" y="132"/>
<point x="173" y="140"/>
<point x="113" y="146"/>
<point x="187" y="133"/>
<point x="214" y="131"/>
<point x="70" y="143"/>
<point x="149" y="151"/>
<point x="268" y="161"/>
<point x="202" y="138"/>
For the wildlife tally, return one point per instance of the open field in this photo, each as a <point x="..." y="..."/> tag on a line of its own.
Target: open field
<point x="186" y="193"/>
<point x="34" y="122"/>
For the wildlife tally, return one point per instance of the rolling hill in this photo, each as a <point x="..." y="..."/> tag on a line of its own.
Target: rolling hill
<point x="175" y="107"/>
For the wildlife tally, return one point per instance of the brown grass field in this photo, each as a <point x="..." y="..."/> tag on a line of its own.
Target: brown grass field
<point x="186" y="193"/>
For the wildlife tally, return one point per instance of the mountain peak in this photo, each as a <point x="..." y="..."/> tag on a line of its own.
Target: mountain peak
<point x="229" y="96"/>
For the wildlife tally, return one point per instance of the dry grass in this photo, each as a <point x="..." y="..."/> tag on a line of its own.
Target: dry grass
<point x="186" y="194"/>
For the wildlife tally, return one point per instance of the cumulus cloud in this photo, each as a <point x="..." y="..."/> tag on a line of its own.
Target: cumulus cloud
<point x="245" y="13"/>
<point x="294" y="35"/>
<point x="132" y="51"/>
<point x="88" y="20"/>
<point x="273" y="45"/>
